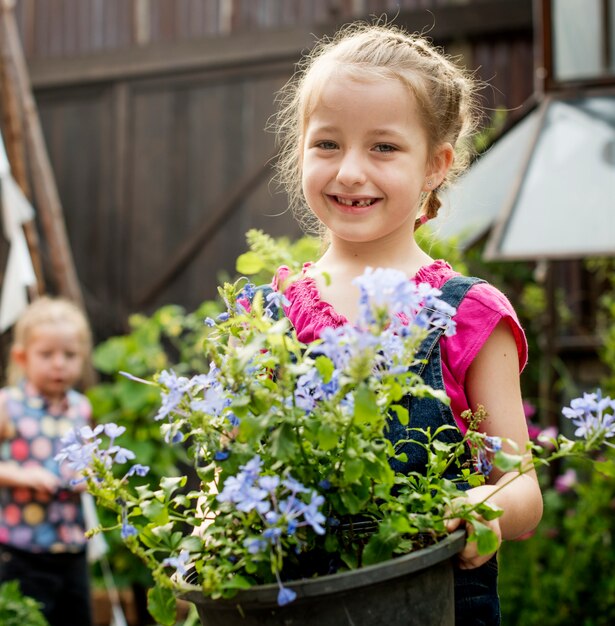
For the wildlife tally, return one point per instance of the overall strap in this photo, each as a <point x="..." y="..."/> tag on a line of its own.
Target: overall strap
<point x="453" y="291"/>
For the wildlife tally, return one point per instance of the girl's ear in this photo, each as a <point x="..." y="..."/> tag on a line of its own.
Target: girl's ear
<point x="18" y="355"/>
<point x="439" y="166"/>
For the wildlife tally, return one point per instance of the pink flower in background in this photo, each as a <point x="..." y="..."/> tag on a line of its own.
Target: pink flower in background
<point x="566" y="481"/>
<point x="529" y="409"/>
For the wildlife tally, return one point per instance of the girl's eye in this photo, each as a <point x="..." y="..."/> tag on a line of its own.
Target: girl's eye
<point x="326" y="145"/>
<point x="384" y="147"/>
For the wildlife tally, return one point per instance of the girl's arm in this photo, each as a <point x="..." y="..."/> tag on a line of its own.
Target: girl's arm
<point x="492" y="380"/>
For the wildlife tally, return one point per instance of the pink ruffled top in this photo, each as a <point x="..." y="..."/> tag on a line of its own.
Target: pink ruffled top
<point x="478" y="314"/>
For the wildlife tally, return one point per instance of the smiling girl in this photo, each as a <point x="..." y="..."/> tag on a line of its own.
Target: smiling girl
<point x="372" y="126"/>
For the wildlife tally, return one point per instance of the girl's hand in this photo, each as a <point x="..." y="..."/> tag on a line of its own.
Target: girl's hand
<point x="38" y="479"/>
<point x="469" y="558"/>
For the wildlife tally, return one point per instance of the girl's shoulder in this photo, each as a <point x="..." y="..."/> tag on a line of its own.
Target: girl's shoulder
<point x="304" y="307"/>
<point x="481" y="310"/>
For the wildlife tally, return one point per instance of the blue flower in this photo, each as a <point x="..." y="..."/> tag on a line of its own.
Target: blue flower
<point x="122" y="455"/>
<point x="241" y="490"/>
<point x="233" y="419"/>
<point x="178" y="562"/>
<point x="308" y="390"/>
<point x="113" y="431"/>
<point x="312" y="515"/>
<point x="128" y="530"/>
<point x="286" y="596"/>
<point x="269" y="483"/>
<point x="588" y="415"/>
<point x="275" y="300"/>
<point x="255" y="545"/>
<point x="138" y="469"/>
<point x="177" y="387"/>
<point x="221" y="455"/>
<point x="248" y="291"/>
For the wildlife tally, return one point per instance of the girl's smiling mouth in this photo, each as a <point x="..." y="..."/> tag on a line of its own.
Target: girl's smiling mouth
<point x="353" y="205"/>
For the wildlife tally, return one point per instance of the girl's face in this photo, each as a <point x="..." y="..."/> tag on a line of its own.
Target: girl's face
<point x="52" y="358"/>
<point x="365" y="159"/>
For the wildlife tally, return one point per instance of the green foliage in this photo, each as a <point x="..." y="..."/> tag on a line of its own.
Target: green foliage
<point x="17" y="609"/>
<point x="266" y="254"/>
<point x="605" y="270"/>
<point x="563" y="574"/>
<point x="168" y="339"/>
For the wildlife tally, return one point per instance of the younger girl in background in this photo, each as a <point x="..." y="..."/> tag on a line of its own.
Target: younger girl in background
<point x="42" y="542"/>
<point x="372" y="126"/>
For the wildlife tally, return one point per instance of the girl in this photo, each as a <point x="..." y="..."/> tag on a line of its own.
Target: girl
<point x="371" y="127"/>
<point x="42" y="542"/>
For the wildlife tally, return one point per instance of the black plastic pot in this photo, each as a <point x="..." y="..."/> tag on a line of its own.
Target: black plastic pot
<point x="411" y="590"/>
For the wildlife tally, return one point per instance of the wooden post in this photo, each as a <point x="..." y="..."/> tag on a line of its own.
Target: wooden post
<point x="48" y="203"/>
<point x="14" y="143"/>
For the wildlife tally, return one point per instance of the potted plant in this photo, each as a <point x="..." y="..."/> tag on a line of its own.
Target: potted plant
<point x="299" y="502"/>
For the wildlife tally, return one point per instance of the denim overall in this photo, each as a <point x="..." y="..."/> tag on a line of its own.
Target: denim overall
<point x="476" y="597"/>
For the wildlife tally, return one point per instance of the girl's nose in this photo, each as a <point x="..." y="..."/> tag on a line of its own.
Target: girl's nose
<point x="351" y="171"/>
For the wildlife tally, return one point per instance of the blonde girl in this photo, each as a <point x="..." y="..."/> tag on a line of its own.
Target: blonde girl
<point x="373" y="125"/>
<point x="42" y="542"/>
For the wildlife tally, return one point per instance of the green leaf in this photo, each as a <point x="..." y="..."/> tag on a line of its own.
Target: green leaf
<point x="607" y="468"/>
<point x="377" y="550"/>
<point x="325" y="367"/>
<point x="402" y="414"/>
<point x="507" y="462"/>
<point x="283" y="442"/>
<point x="169" y="484"/>
<point x="249" y="263"/>
<point x="161" y="603"/>
<point x="486" y="539"/>
<point x="351" y="502"/>
<point x="155" y="511"/>
<point x="353" y="470"/>
<point x="327" y="437"/>
<point x="489" y="511"/>
<point x="238" y="582"/>
<point x="365" y="406"/>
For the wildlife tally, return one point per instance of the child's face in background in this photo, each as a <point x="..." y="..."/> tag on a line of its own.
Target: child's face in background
<point x="365" y="159"/>
<point x="52" y="358"/>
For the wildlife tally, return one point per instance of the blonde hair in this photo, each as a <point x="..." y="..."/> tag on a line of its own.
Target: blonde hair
<point x="445" y="95"/>
<point x="48" y="310"/>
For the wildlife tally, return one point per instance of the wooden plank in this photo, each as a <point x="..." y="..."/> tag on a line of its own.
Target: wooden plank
<point x="187" y="251"/>
<point x="452" y="22"/>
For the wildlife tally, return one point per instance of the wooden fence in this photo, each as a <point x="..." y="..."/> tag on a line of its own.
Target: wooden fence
<point x="154" y="111"/>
